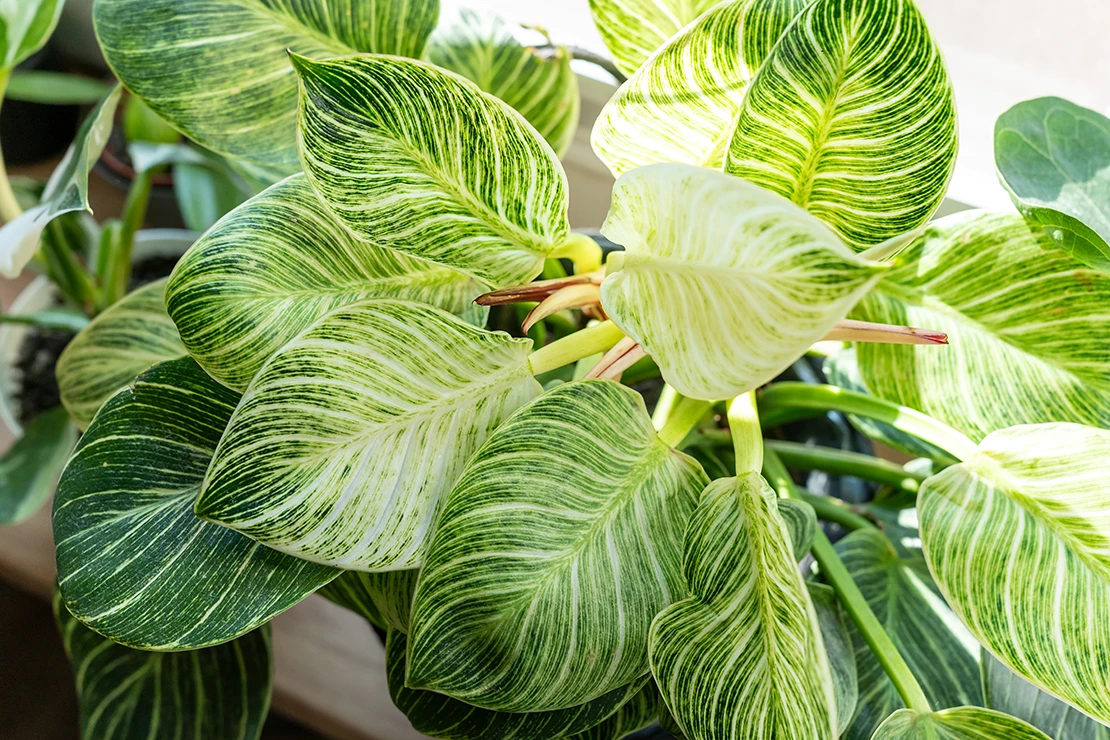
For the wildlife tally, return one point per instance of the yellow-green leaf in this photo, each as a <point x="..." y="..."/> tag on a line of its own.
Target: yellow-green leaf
<point x="634" y="29"/>
<point x="25" y="25"/>
<point x="960" y="723"/>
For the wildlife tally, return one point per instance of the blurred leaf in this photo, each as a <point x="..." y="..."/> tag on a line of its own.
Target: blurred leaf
<point x="54" y="88"/>
<point x="31" y="466"/>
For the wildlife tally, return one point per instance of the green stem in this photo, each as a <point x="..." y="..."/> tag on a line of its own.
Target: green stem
<point x="589" y="341"/>
<point x="843" y="462"/>
<point x="833" y="510"/>
<point x="834" y="571"/>
<point x="684" y="416"/>
<point x="9" y="205"/>
<point x="668" y="397"/>
<point x="794" y="395"/>
<point x="117" y="267"/>
<point x="58" y="254"/>
<point x="747" y="435"/>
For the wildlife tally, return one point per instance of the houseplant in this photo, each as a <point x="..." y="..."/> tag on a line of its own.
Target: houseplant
<point x="548" y="563"/>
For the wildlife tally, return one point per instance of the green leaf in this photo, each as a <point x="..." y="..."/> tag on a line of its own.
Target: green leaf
<point x="25" y="26"/>
<point x="1017" y="538"/>
<point x="131" y="336"/>
<point x="348" y="440"/>
<point x="746" y="265"/>
<point x="277" y="264"/>
<point x="801" y="524"/>
<point x="838" y="645"/>
<point x="134" y="563"/>
<point x="636" y="714"/>
<point x="441" y="716"/>
<point x="385" y="596"/>
<point x="743" y="656"/>
<point x="66" y="191"/>
<point x="682" y="104"/>
<point x="1053" y="157"/>
<point x="431" y="166"/>
<point x="350" y="592"/>
<point x="125" y="694"/>
<point x="1005" y="691"/>
<point x="557" y="547"/>
<point x="852" y="117"/>
<point x="54" y="88"/>
<point x="31" y="466"/>
<point x="634" y="29"/>
<point x="140" y="123"/>
<point x="901" y="593"/>
<point x="64" y="319"/>
<point x="541" y="86"/>
<point x="1026" y="326"/>
<point x="220" y="72"/>
<point x="204" y="195"/>
<point x="960" y="723"/>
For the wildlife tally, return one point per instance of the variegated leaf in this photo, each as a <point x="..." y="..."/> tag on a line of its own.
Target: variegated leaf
<point x="29" y="469"/>
<point x="441" y="716"/>
<point x="1029" y="335"/>
<point x="1006" y="691"/>
<point x="746" y="265"/>
<point x="838" y="646"/>
<point x="1017" y="538"/>
<point x="117" y="345"/>
<point x="634" y="29"/>
<point x="349" y="592"/>
<point x="852" y="117"/>
<point x="801" y="523"/>
<point x="127" y="694"/>
<point x="418" y="159"/>
<point x="277" y="264"/>
<point x="25" y="25"/>
<point x="385" y="596"/>
<point x="960" y="723"/>
<point x="682" y="104"/>
<point x="743" y="656"/>
<point x="349" y="438"/>
<point x="900" y="592"/>
<point x="220" y="72"/>
<point x="560" y="543"/>
<point x="634" y="715"/>
<point x="540" y="86"/>
<point x="134" y="563"/>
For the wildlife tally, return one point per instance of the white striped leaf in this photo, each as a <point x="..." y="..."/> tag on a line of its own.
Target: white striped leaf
<point x="852" y="116"/>
<point x="557" y="547"/>
<point x="220" y="73"/>
<point x="743" y="656"/>
<point x="959" y="723"/>
<point x="1053" y="157"/>
<point x="634" y="29"/>
<point x="278" y="263"/>
<point x="1017" y="538"/>
<point x="349" y="592"/>
<point x="1028" y="329"/>
<point x="442" y="716"/>
<point x="838" y="646"/>
<point x="682" y="104"/>
<point x="29" y="469"/>
<point x="421" y="160"/>
<point x="25" y="25"/>
<point x="1006" y="691"/>
<point x="727" y="295"/>
<point x="123" y="341"/>
<point x="385" y="597"/>
<point x="540" y="86"/>
<point x="349" y="438"/>
<point x="801" y="523"/>
<point x="134" y="563"/>
<point x="903" y="597"/>
<point x="126" y="694"/>
<point x="637" y="713"/>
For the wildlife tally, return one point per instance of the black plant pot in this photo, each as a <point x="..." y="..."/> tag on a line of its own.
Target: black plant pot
<point x="33" y="132"/>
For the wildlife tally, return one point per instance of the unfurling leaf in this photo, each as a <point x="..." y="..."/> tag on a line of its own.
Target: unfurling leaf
<point x="743" y="656"/>
<point x="852" y="117"/>
<point x="29" y="469"/>
<point x="411" y="157"/>
<point x="959" y="723"/>
<point x="134" y="563"/>
<point x="727" y="295"/>
<point x="1018" y="538"/>
<point x="220" y="72"/>
<point x="557" y="547"/>
<point x="277" y="264"/>
<point x="131" y="336"/>
<point x="349" y="438"/>
<point x="634" y="29"/>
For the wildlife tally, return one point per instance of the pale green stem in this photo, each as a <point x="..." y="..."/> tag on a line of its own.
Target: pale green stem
<point x="685" y="415"/>
<point x="844" y="462"/>
<point x="832" y="567"/>
<point x="668" y="397"/>
<point x="582" y="251"/>
<point x="589" y="341"/>
<point x="9" y="205"/>
<point x="747" y="435"/>
<point x="834" y="510"/>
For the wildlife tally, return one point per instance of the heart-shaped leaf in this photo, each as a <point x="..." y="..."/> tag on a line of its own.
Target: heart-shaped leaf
<point x="25" y="25"/>
<point x="277" y="264"/>
<point x="1026" y="323"/>
<point x="743" y="656"/>
<point x="838" y="646"/>
<point x="30" y="468"/>
<point x="726" y="296"/>
<point x="1054" y="159"/>
<point x="117" y="345"/>
<point x="539" y="85"/>
<point x="1017" y="538"/>
<point x="432" y="166"/>
<point x="383" y="598"/>
<point x="220" y="72"/>
<point x="126" y="694"/>
<point x="634" y="29"/>
<point x="347" y="441"/>
<point x="682" y="104"/>
<point x="134" y="563"/>
<point x="960" y="723"/>
<point x="852" y="117"/>
<point x="560" y="543"/>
